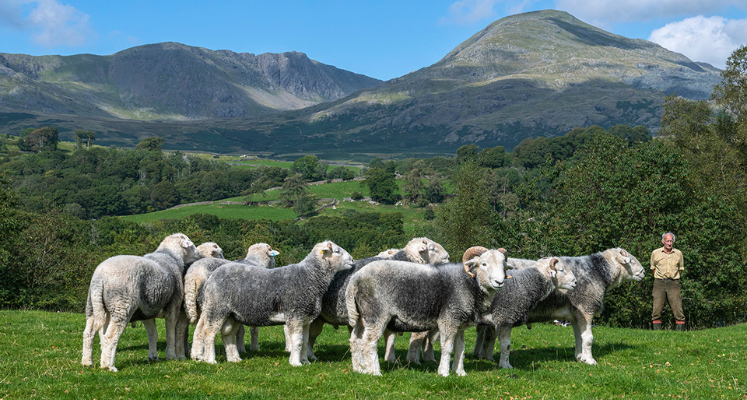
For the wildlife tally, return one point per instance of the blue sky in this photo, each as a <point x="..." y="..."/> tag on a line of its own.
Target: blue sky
<point x="384" y="39"/>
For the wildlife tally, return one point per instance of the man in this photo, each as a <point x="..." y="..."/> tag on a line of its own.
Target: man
<point x="667" y="264"/>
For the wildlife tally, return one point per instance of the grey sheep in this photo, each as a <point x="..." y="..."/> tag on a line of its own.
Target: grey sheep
<point x="334" y="311"/>
<point x="409" y="297"/>
<point x="595" y="275"/>
<point x="132" y="288"/>
<point x="241" y="294"/>
<point x="513" y="303"/>
<point x="259" y="254"/>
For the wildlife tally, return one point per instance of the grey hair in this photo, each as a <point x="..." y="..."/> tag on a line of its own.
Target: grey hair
<point x="668" y="233"/>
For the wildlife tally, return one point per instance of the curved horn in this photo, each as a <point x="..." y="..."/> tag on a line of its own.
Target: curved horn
<point x="623" y="253"/>
<point x="553" y="261"/>
<point x="472" y="252"/>
<point x="504" y="251"/>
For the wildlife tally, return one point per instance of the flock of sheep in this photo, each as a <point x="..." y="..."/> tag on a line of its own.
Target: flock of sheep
<point x="415" y="289"/>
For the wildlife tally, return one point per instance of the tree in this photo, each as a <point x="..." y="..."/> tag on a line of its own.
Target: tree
<point x="413" y="186"/>
<point x="467" y="219"/>
<point x="150" y="144"/>
<point x="84" y="136"/>
<point x="731" y="93"/>
<point x="381" y="185"/>
<point x="42" y="139"/>
<point x="468" y="152"/>
<point x="494" y="157"/>
<point x="295" y="194"/>
<point x="309" y="168"/>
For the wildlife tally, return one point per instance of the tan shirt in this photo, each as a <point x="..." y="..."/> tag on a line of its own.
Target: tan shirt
<point x="667" y="265"/>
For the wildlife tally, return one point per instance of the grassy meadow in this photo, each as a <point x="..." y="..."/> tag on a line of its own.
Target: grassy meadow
<point x="40" y="358"/>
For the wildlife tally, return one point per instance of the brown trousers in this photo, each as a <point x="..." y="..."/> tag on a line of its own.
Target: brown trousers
<point x="667" y="289"/>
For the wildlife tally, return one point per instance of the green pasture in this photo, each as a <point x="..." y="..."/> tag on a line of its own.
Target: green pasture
<point x="40" y="356"/>
<point x="338" y="190"/>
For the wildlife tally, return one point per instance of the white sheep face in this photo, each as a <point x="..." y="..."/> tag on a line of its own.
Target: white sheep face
<point x="634" y="271"/>
<point x="563" y="278"/>
<point x="337" y="258"/>
<point x="490" y="268"/>
<point x="263" y="253"/>
<point x="210" y="250"/>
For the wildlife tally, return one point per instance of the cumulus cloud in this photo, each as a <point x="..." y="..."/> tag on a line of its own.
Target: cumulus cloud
<point x="469" y="11"/>
<point x="711" y="40"/>
<point x="49" y="22"/>
<point x="605" y="12"/>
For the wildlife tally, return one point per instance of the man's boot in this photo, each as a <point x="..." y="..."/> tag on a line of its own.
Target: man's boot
<point x="657" y="324"/>
<point x="681" y="326"/>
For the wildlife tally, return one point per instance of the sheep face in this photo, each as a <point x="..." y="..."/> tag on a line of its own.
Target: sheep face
<point x="561" y="277"/>
<point x="334" y="256"/>
<point x="489" y="269"/>
<point x="429" y="251"/>
<point x="633" y="270"/>
<point x="210" y="250"/>
<point x="263" y="253"/>
<point x="180" y="244"/>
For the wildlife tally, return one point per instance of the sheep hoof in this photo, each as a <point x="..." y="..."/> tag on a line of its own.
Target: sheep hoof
<point x="506" y="365"/>
<point x="461" y="373"/>
<point x="113" y="369"/>
<point x="312" y="357"/>
<point x="413" y="361"/>
<point x="153" y="358"/>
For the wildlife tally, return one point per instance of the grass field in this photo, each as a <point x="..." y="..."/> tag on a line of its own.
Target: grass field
<point x="40" y="358"/>
<point x="411" y="215"/>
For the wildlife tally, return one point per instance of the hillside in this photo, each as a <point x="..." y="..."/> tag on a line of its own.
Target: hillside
<point x="534" y="74"/>
<point x="171" y="81"/>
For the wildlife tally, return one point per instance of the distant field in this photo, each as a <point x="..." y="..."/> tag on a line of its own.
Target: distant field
<point x="339" y="190"/>
<point x="40" y="355"/>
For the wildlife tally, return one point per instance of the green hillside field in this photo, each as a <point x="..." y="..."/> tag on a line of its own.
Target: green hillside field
<point x="40" y="355"/>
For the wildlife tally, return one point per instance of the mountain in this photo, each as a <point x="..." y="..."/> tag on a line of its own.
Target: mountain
<point x="534" y="74"/>
<point x="171" y="81"/>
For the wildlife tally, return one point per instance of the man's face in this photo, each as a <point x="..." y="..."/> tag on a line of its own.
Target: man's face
<point x="668" y="242"/>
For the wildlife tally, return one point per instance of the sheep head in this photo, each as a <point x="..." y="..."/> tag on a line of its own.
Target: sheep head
<point x="334" y="256"/>
<point x="631" y="267"/>
<point x="263" y="254"/>
<point x="210" y="250"/>
<point x="487" y="266"/>
<point x="561" y="277"/>
<point x="426" y="251"/>
<point x="180" y="245"/>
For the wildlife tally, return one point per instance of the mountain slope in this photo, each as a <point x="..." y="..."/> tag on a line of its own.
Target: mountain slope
<point x="171" y="81"/>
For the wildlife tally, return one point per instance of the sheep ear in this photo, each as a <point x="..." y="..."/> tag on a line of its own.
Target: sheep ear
<point x="422" y="249"/>
<point x="553" y="273"/>
<point x="469" y="264"/>
<point x="273" y="253"/>
<point x="186" y="243"/>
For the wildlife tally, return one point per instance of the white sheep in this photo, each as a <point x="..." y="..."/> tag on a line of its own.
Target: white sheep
<point x="516" y="299"/>
<point x="259" y="254"/>
<point x="407" y="297"/>
<point x="125" y="288"/>
<point x="238" y="294"/>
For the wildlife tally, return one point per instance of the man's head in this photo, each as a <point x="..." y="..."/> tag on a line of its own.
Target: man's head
<point x="667" y="240"/>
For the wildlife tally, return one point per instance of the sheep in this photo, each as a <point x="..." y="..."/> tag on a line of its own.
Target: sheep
<point x="130" y="288"/>
<point x="513" y="303"/>
<point x="260" y="254"/>
<point x="419" y="250"/>
<point x="210" y="250"/>
<point x="595" y="274"/>
<point x="388" y="253"/>
<point x="241" y="294"/>
<point x="403" y="296"/>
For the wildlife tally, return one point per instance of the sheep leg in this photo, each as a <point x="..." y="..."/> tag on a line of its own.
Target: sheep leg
<point x="356" y="337"/>
<point x="428" y="346"/>
<point x="198" y="341"/>
<point x="295" y="329"/>
<point x="182" y="333"/>
<point x="228" y="334"/>
<point x="505" y="337"/>
<point x="89" y="334"/>
<point x="240" y="333"/>
<point x="458" y="364"/>
<point x="390" y="356"/>
<point x="584" y="338"/>
<point x="479" y="339"/>
<point x="315" y="329"/>
<point x="209" y="332"/>
<point x="447" y="347"/>
<point x="488" y="343"/>
<point x="254" y="333"/>
<point x="416" y="342"/>
<point x="172" y="314"/>
<point x="111" y="339"/>
<point x="369" y="346"/>
<point x="150" y="329"/>
<point x="305" y="344"/>
<point x="286" y="331"/>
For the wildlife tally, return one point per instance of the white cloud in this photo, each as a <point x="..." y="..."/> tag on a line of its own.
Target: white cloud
<point x="711" y="40"/>
<point x="605" y="12"/>
<point x="49" y="22"/>
<point x="469" y="11"/>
